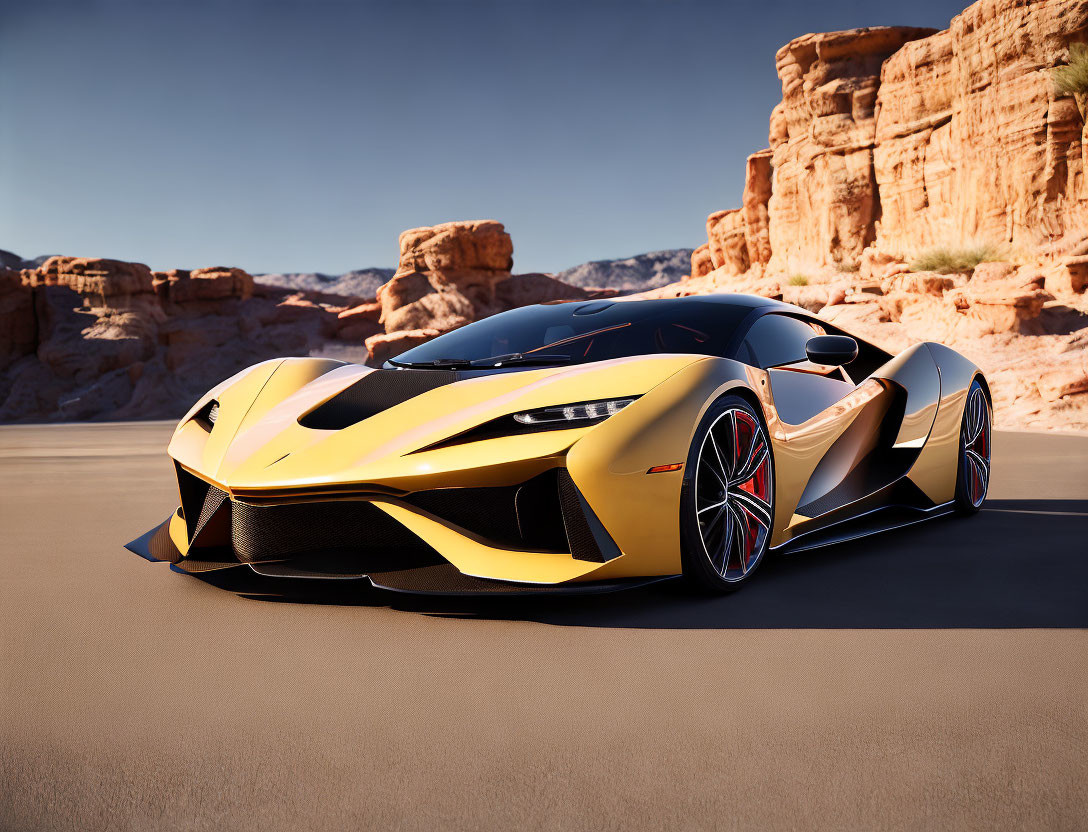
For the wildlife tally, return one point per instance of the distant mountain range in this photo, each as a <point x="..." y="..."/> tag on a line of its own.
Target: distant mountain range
<point x="632" y="274"/>
<point x="362" y="283"/>
<point x="629" y="274"/>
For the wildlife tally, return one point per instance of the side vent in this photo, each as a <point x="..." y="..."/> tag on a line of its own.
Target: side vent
<point x="206" y="510"/>
<point x="587" y="536"/>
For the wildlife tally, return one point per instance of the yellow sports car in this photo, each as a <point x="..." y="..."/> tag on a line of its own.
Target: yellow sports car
<point x="576" y="446"/>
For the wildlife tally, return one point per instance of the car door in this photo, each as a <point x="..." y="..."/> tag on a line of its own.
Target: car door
<point x="829" y="427"/>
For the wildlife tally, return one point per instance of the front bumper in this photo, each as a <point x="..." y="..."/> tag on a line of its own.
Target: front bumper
<point x="417" y="577"/>
<point x="538" y="532"/>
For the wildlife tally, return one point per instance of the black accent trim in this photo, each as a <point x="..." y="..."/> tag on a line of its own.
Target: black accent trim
<point x="586" y="535"/>
<point x="880" y="468"/>
<point x="378" y="390"/>
<point x="901" y="495"/>
<point x="155" y="545"/>
<point x="446" y="580"/>
<point x="205" y="509"/>
<point x="212" y="527"/>
<point x="866" y="524"/>
<point x="504" y="426"/>
<point x="313" y="494"/>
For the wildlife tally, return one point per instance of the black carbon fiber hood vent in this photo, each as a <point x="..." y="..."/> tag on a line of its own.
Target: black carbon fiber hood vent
<point x="376" y="391"/>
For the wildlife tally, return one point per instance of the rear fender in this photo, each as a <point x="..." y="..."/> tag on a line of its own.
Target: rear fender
<point x="915" y="372"/>
<point x="936" y="468"/>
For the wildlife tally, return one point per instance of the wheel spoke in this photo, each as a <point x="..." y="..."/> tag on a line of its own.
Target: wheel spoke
<point x="975" y="424"/>
<point x="740" y="525"/>
<point x="720" y="559"/>
<point x="747" y="459"/>
<point x="732" y="521"/>
<point x="975" y="457"/>
<point x="982" y="471"/>
<point x="748" y="470"/>
<point x="736" y="439"/>
<point x="711" y="507"/>
<point x="759" y="509"/>
<point x="722" y="473"/>
<point x="976" y="446"/>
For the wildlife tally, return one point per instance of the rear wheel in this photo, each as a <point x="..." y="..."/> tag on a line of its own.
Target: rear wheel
<point x="727" y="501"/>
<point x="973" y="477"/>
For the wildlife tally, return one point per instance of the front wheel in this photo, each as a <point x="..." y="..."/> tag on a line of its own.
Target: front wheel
<point x="727" y="499"/>
<point x="973" y="475"/>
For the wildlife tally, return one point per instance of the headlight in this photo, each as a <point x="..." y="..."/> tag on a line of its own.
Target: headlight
<point x="584" y="412"/>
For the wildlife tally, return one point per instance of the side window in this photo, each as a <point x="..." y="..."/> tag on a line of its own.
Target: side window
<point x="774" y="340"/>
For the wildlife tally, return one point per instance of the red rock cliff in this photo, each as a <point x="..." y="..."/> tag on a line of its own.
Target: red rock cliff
<point x="890" y="142"/>
<point x="909" y="139"/>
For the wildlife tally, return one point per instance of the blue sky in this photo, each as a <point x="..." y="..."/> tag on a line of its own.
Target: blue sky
<point x="304" y="136"/>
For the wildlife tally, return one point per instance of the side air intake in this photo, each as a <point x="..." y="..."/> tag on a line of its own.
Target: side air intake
<point x="587" y="536"/>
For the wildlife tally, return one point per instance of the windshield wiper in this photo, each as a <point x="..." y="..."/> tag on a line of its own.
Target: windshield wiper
<point x="520" y="358"/>
<point x="437" y="363"/>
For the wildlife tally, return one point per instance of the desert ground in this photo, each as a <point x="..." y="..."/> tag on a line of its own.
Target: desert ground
<point x="932" y="678"/>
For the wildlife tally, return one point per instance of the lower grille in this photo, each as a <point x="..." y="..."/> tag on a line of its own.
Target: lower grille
<point x="344" y="527"/>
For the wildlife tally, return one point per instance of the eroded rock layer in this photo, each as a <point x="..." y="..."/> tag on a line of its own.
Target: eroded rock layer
<point x="890" y="143"/>
<point x="89" y="338"/>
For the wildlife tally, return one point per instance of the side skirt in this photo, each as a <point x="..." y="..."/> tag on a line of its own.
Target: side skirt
<point x="883" y="519"/>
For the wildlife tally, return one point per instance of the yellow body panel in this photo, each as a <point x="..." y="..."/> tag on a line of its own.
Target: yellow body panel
<point x="474" y="557"/>
<point x="935" y="469"/>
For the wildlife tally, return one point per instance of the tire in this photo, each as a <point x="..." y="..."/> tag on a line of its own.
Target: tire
<point x="973" y="471"/>
<point x="725" y="527"/>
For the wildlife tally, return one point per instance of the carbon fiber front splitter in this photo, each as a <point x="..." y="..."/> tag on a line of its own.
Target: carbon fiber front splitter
<point x="439" y="579"/>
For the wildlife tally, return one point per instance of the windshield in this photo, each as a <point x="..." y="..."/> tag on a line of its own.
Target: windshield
<point x="577" y="333"/>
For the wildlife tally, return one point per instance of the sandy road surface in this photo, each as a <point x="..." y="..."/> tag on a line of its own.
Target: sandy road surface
<point x="935" y="679"/>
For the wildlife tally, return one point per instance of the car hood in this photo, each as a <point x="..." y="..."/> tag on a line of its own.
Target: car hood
<point x="258" y="443"/>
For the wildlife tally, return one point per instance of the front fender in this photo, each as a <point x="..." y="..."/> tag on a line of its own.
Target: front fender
<point x="243" y="398"/>
<point x="609" y="465"/>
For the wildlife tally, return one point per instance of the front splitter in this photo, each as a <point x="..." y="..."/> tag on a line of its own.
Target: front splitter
<point x="440" y="579"/>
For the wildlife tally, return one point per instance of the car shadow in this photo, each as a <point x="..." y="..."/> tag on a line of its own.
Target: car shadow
<point x="1017" y="564"/>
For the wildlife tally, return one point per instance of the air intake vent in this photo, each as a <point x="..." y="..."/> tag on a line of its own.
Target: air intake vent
<point x="376" y="391"/>
<point x="588" y="539"/>
<point x="297" y="529"/>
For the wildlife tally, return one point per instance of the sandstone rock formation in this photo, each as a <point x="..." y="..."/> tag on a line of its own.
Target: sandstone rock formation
<point x="973" y="142"/>
<point x="452" y="274"/>
<point x="87" y="338"/>
<point x="912" y="139"/>
<point x="890" y="141"/>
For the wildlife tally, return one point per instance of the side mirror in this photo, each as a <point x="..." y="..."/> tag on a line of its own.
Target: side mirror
<point x="831" y="350"/>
